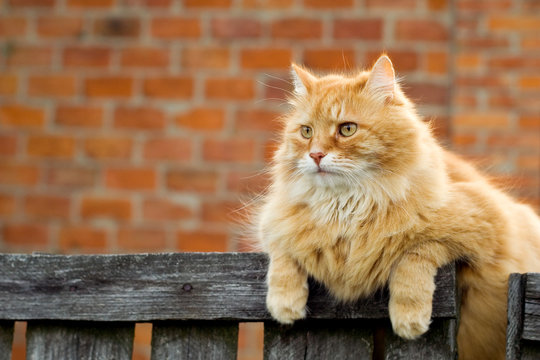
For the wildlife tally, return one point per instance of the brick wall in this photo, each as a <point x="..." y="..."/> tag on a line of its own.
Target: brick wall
<point x="139" y="125"/>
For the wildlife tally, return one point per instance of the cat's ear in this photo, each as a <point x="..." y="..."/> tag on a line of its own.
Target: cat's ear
<point x="382" y="79"/>
<point x="302" y="80"/>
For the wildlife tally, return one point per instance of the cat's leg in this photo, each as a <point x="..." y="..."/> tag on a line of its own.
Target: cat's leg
<point x="412" y="284"/>
<point x="287" y="289"/>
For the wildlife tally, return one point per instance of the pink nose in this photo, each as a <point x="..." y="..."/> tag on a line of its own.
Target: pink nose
<point x="317" y="157"/>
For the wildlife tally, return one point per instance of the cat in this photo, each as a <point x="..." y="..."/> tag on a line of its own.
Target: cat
<point x="363" y="196"/>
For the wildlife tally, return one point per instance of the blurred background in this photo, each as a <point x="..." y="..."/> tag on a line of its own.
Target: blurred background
<point x="141" y="125"/>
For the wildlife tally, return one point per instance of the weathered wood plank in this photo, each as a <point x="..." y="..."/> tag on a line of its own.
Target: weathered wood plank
<point x="79" y="341"/>
<point x="195" y="340"/>
<point x="6" y="339"/>
<point x="183" y="286"/>
<point x="530" y="350"/>
<point x="516" y="292"/>
<point x="439" y="343"/>
<point x="318" y="339"/>
<point x="531" y="311"/>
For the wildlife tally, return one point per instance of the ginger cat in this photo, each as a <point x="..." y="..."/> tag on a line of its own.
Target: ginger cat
<point x="363" y="196"/>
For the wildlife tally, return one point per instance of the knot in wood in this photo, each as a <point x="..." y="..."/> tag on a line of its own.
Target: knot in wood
<point x="187" y="287"/>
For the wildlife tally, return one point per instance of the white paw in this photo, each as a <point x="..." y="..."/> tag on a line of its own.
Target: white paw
<point x="287" y="306"/>
<point x="409" y="321"/>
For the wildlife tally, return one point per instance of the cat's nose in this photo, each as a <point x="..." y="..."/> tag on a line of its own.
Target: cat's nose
<point x="317" y="157"/>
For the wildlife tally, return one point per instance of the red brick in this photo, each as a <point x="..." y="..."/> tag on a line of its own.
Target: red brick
<point x="139" y="118"/>
<point x="121" y="27"/>
<point x="18" y="174"/>
<point x="175" y="27"/>
<point x="79" y="116"/>
<point x="141" y="239"/>
<point x="277" y="89"/>
<point x="332" y="4"/>
<point x="108" y="147"/>
<point x="514" y="23"/>
<point x="329" y="59"/>
<point x="247" y="182"/>
<point x="529" y="82"/>
<point x="529" y="162"/>
<point x="46" y="206"/>
<point x="178" y="149"/>
<point x="93" y="57"/>
<point x="512" y="141"/>
<point x="192" y="180"/>
<point x="31" y="3"/>
<point x="26" y="234"/>
<point x="267" y="4"/>
<point x="220" y="4"/>
<point x="8" y="84"/>
<point x="481" y="120"/>
<point x="464" y="139"/>
<point x="106" y="207"/>
<point x="530" y="43"/>
<point x="266" y="58"/>
<point x="258" y="120"/>
<point x="483" y="5"/>
<point x="491" y="80"/>
<point x="230" y="88"/>
<point x="403" y="60"/>
<point x="82" y="238"/>
<point x="7" y="205"/>
<point x="437" y="63"/>
<point x="21" y="116"/>
<point x="421" y="30"/>
<point x="202" y="241"/>
<point x="144" y="57"/>
<point x="8" y="145"/>
<point x="150" y="3"/>
<point x="202" y="119"/>
<point x="165" y="210"/>
<point x="71" y="177"/>
<point x="131" y="178"/>
<point x="426" y="93"/>
<point x="109" y="86"/>
<point x="529" y="122"/>
<point x="223" y="212"/>
<point x="391" y="4"/>
<point x="30" y="56"/>
<point x="236" y="28"/>
<point x="54" y="146"/>
<point x="90" y="3"/>
<point x="362" y="29"/>
<point x="52" y="85"/>
<point x="205" y="58"/>
<point x="59" y="26"/>
<point x="237" y="150"/>
<point x="12" y="26"/>
<point x="489" y="41"/>
<point x="297" y="28"/>
<point x="502" y="100"/>
<point x="169" y="87"/>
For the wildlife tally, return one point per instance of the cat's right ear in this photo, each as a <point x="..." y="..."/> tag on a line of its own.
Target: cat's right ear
<point x="302" y="80"/>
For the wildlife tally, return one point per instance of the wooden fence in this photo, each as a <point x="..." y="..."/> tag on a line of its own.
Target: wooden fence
<point x="86" y="306"/>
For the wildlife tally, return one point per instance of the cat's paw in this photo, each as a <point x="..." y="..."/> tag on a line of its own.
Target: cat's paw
<point x="287" y="306"/>
<point x="409" y="319"/>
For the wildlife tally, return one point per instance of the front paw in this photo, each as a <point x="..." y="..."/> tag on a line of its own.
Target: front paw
<point x="409" y="318"/>
<point x="286" y="305"/>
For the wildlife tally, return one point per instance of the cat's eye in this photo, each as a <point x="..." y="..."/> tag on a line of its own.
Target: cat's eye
<point x="347" y="129"/>
<point x="306" y="131"/>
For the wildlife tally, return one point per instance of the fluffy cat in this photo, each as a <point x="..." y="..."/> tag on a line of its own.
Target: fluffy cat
<point x="363" y="196"/>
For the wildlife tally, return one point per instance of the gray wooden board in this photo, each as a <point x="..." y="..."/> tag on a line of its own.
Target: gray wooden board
<point x="516" y="289"/>
<point x="531" y="311"/>
<point x="79" y="341"/>
<point x="179" y="286"/>
<point x="318" y="340"/>
<point x="530" y="350"/>
<point x="439" y="343"/>
<point x="195" y="340"/>
<point x="6" y="339"/>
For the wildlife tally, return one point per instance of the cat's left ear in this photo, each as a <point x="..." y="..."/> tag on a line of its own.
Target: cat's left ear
<point x="382" y="79"/>
<point x="303" y="81"/>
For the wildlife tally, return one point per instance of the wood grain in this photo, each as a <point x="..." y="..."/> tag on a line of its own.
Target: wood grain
<point x="199" y="340"/>
<point x="6" y="339"/>
<point x="79" y="341"/>
<point x="516" y="296"/>
<point x="182" y="286"/>
<point x="531" y="311"/>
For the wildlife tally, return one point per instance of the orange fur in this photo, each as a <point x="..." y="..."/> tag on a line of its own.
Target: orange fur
<point x="387" y="207"/>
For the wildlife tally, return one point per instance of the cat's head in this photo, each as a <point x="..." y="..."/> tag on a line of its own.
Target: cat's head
<point x="348" y="130"/>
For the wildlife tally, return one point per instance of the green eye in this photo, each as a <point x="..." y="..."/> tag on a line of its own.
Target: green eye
<point x="307" y="132"/>
<point x="347" y="129"/>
